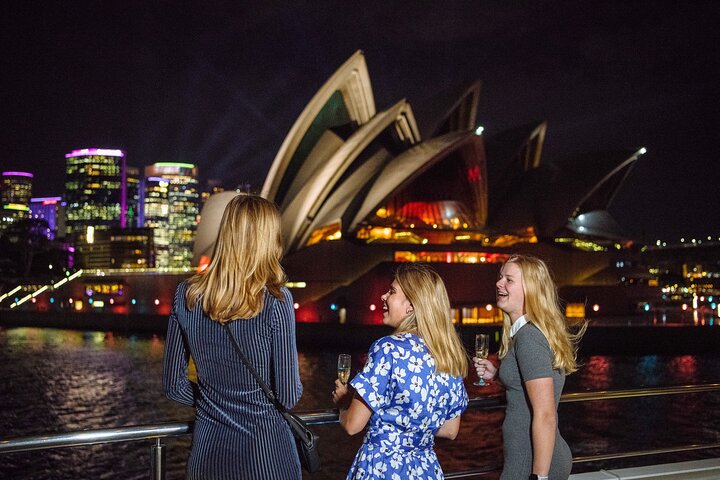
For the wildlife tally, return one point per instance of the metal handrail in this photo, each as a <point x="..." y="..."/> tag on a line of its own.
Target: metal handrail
<point x="323" y="417"/>
<point x="638" y="392"/>
<point x="641" y="453"/>
<point x="498" y="401"/>
<point x="94" y="437"/>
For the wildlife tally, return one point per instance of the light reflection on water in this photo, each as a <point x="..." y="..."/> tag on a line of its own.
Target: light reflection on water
<point x="62" y="380"/>
<point x="597" y="373"/>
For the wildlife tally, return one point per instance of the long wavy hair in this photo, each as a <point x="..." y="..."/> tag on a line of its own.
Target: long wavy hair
<point x="431" y="318"/>
<point x="245" y="262"/>
<point x="542" y="309"/>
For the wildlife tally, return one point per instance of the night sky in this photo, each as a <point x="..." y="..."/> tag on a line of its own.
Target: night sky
<point x="219" y="84"/>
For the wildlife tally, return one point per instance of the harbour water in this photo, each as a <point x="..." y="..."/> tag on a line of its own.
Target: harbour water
<point x="63" y="380"/>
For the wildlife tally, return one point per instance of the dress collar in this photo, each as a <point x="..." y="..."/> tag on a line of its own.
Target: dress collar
<point x="519" y="323"/>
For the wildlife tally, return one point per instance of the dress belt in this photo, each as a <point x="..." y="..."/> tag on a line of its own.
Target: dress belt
<point x="404" y="449"/>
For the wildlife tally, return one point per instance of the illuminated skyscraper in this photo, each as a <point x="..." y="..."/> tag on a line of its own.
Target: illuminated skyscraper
<point x="15" y="194"/>
<point x="95" y="190"/>
<point x="155" y="215"/>
<point x="132" y="182"/>
<point x="183" y="208"/>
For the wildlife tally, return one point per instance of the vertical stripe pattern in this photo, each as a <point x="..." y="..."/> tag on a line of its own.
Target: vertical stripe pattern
<point x="238" y="433"/>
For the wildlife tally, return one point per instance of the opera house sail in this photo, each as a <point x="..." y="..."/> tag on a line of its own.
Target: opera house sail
<point x="362" y="188"/>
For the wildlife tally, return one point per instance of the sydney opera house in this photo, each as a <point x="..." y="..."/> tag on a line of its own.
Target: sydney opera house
<point x="361" y="190"/>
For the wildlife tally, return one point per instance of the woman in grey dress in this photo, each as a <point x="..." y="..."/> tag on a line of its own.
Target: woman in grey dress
<point x="537" y="351"/>
<point x="238" y="433"/>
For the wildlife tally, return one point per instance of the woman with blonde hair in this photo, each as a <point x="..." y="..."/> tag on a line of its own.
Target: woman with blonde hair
<point x="411" y="389"/>
<point x="238" y="433"/>
<point x="537" y="350"/>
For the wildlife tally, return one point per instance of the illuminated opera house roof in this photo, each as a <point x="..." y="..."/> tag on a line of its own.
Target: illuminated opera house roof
<point x="360" y="189"/>
<point x="346" y="170"/>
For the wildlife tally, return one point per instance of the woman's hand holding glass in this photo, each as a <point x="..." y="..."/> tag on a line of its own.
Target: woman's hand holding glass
<point x="484" y="368"/>
<point x="482" y="348"/>
<point x="342" y="396"/>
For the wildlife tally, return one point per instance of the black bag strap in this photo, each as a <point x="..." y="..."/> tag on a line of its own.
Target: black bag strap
<point x="264" y="386"/>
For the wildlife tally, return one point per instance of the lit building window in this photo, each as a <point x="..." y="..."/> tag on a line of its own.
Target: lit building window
<point x="450" y="257"/>
<point x="478" y="315"/>
<point x="575" y="310"/>
<point x="326" y="233"/>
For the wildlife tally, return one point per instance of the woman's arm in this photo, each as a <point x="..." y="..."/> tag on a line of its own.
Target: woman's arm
<point x="176" y="384"/>
<point x="449" y="429"/>
<point x="354" y="413"/>
<point x="541" y="393"/>
<point x="370" y="390"/>
<point x="285" y="357"/>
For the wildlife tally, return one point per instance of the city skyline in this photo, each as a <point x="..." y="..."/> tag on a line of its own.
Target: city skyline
<point x="220" y="89"/>
<point x="107" y="213"/>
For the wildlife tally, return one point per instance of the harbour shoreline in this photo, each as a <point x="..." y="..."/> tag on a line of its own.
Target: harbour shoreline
<point x="631" y="335"/>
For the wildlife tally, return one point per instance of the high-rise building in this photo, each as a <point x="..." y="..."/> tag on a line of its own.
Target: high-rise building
<point x="155" y="215"/>
<point x="133" y="205"/>
<point x="183" y="208"/>
<point x="15" y="195"/>
<point x="95" y="190"/>
<point x="52" y="210"/>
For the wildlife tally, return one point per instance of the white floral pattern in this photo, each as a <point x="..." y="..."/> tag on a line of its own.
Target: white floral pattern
<point x="410" y="402"/>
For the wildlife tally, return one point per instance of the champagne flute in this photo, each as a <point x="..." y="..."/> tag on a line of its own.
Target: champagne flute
<point x="343" y="368"/>
<point x="482" y="346"/>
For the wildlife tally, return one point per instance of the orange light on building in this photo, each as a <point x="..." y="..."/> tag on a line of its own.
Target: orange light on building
<point x="596" y="308"/>
<point x="449" y="257"/>
<point x="326" y="233"/>
<point x="474" y="315"/>
<point x="575" y="310"/>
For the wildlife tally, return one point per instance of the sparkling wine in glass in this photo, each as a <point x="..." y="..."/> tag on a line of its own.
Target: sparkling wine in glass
<point x="482" y="346"/>
<point x="343" y="368"/>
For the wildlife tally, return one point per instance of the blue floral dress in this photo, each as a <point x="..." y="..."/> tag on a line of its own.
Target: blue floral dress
<point x="409" y="403"/>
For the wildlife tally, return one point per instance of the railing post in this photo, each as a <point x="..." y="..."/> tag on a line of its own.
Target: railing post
<point x="157" y="460"/>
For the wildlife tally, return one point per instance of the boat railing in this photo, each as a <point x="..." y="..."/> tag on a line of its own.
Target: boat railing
<point x="157" y="432"/>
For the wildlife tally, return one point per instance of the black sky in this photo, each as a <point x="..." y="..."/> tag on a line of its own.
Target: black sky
<point x="219" y="84"/>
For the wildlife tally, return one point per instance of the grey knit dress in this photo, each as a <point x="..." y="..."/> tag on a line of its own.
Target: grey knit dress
<point x="528" y="358"/>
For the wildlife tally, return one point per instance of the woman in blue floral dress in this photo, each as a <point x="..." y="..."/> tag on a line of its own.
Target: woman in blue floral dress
<point x="411" y="389"/>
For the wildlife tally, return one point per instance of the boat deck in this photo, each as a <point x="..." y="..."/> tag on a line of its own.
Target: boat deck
<point x="708" y="469"/>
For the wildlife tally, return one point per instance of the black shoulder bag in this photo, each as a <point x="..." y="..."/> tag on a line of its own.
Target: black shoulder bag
<point x="306" y="440"/>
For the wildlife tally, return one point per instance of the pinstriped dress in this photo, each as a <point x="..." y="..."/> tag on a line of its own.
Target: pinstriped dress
<point x="238" y="433"/>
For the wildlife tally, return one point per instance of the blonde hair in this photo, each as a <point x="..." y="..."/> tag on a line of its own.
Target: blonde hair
<point x="431" y="318"/>
<point x="246" y="260"/>
<point x="542" y="309"/>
